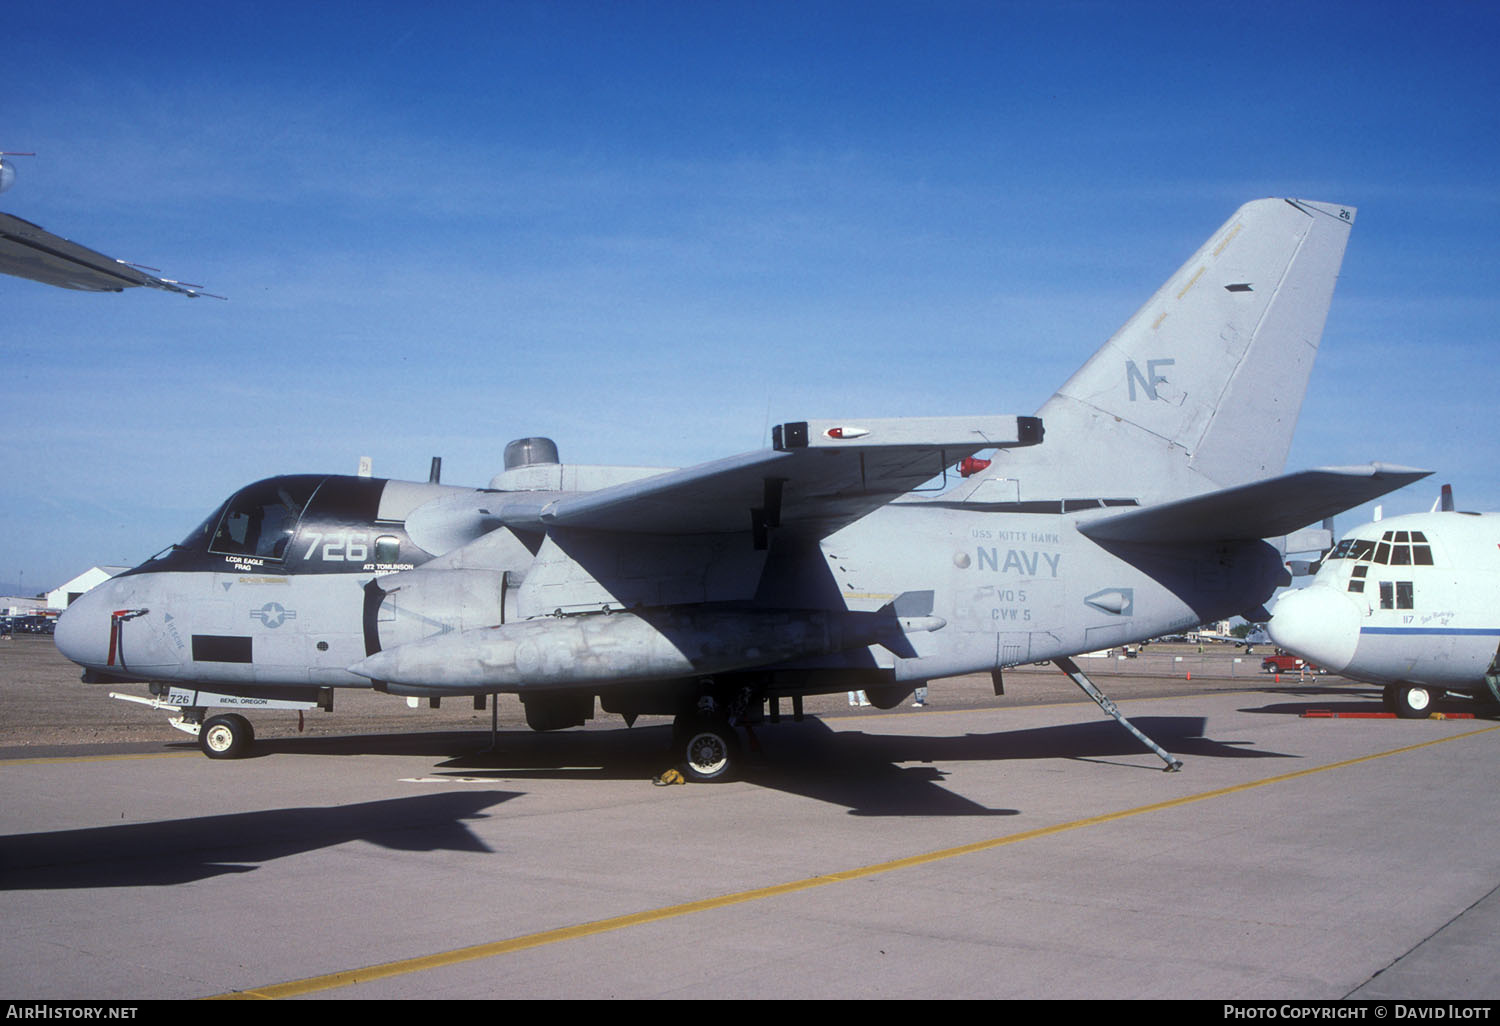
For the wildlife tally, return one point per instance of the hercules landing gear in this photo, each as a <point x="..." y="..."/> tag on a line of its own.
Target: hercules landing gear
<point x="226" y="737"/>
<point x="1409" y="701"/>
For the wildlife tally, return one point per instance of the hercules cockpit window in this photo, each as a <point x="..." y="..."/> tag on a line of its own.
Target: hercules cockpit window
<point x="1397" y="595"/>
<point x="259" y="521"/>
<point x="1357" y="578"/>
<point x="1404" y="548"/>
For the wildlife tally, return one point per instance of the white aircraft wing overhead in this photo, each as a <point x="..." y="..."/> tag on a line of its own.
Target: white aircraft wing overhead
<point x="30" y="251"/>
<point x="817" y="472"/>
<point x="1261" y="509"/>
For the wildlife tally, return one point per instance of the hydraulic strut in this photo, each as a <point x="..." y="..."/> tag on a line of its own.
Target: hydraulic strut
<point x="1069" y="667"/>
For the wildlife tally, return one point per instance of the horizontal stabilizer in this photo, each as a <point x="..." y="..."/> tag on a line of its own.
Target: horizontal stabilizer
<point x="1262" y="509"/>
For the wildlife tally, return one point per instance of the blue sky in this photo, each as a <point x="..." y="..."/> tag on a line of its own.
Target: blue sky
<point x="648" y="230"/>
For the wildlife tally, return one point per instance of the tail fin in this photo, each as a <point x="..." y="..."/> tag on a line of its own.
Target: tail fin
<point x="1201" y="388"/>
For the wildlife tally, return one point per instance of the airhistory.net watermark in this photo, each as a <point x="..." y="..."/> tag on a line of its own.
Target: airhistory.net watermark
<point x="67" y="1010"/>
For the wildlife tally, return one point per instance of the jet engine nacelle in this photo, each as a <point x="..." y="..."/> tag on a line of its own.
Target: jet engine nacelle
<point x="607" y="648"/>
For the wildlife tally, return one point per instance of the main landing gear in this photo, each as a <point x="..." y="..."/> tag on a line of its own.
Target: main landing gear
<point x="706" y="739"/>
<point x="709" y="747"/>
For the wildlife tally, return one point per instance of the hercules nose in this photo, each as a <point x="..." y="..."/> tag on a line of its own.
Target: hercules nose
<point x="1317" y="623"/>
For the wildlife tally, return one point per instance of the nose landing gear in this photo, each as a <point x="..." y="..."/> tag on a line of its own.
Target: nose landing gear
<point x="226" y="737"/>
<point x="1409" y="701"/>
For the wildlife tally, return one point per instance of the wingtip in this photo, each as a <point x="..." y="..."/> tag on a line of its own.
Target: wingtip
<point x="1377" y="469"/>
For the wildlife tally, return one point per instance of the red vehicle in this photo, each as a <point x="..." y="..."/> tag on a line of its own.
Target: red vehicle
<point x="1285" y="662"/>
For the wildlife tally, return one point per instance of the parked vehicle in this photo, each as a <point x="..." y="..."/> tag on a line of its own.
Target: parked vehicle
<point x="1285" y="662"/>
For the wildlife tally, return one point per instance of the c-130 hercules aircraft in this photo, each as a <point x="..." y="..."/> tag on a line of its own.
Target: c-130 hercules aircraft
<point x="1411" y="603"/>
<point x="1136" y="502"/>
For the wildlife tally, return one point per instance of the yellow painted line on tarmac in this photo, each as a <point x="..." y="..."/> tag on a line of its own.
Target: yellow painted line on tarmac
<point x="402" y="967"/>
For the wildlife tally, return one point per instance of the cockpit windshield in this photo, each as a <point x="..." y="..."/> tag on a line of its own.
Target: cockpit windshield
<point x="260" y="519"/>
<point x="1395" y="548"/>
<point x="197" y="538"/>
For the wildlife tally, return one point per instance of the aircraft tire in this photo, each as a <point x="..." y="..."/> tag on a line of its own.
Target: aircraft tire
<point x="226" y="737"/>
<point x="710" y="749"/>
<point x="1413" y="701"/>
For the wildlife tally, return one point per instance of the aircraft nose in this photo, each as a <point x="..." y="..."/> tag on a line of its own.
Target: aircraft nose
<point x="82" y="632"/>
<point x="1317" y="623"/>
<point x="88" y="631"/>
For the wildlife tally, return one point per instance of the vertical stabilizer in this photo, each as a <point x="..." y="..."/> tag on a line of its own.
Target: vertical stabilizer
<point x="1201" y="388"/>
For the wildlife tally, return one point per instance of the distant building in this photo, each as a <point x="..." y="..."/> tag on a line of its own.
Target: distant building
<point x="66" y="594"/>
<point x="15" y="605"/>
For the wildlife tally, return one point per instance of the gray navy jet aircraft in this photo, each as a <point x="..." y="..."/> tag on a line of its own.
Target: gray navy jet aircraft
<point x="1145" y="497"/>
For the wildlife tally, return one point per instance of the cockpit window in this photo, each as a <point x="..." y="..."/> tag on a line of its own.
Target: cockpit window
<point x="196" y="540"/>
<point x="1395" y="548"/>
<point x="1404" y="548"/>
<point x="1397" y="595"/>
<point x="259" y="520"/>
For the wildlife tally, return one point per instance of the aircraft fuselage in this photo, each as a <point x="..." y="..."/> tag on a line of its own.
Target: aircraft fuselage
<point x="297" y="580"/>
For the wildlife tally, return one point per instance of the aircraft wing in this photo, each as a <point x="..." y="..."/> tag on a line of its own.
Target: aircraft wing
<point x="1261" y="509"/>
<point x="827" y="472"/>
<point x="29" y="251"/>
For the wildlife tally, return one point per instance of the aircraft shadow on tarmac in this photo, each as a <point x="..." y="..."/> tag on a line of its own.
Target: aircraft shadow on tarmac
<point x="864" y="772"/>
<point x="183" y="850"/>
<point x="1317" y="696"/>
<point x="868" y="774"/>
